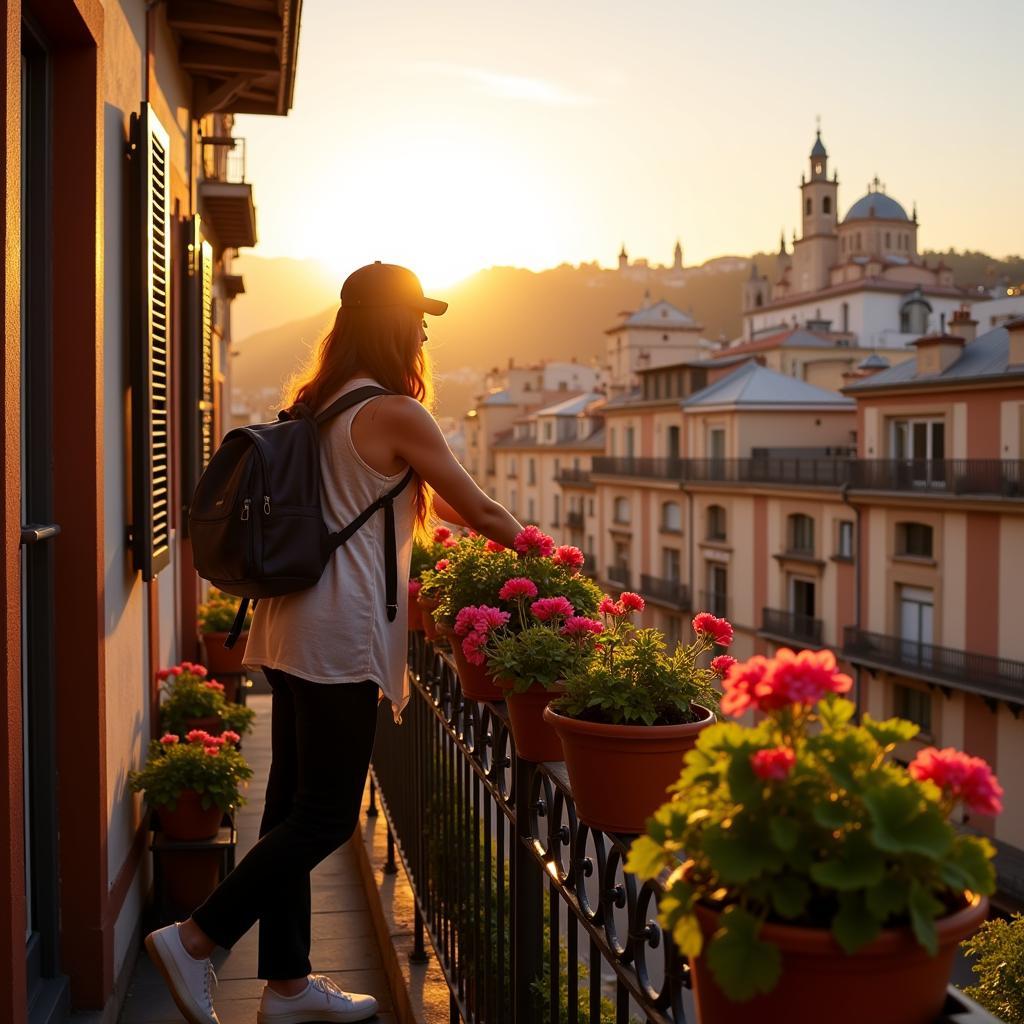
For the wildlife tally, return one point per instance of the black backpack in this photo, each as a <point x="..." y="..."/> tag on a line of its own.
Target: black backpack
<point x="256" y="523"/>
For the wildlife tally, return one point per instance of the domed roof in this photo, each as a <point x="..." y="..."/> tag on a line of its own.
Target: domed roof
<point x="876" y="204"/>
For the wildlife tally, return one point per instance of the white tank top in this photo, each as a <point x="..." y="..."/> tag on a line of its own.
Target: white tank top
<point x="337" y="631"/>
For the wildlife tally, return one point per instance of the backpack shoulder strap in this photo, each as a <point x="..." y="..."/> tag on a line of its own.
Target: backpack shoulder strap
<point x="346" y="401"/>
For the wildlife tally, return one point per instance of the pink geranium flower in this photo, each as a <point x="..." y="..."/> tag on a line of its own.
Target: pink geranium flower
<point x="212" y="684"/>
<point x="199" y="670"/>
<point x="451" y="542"/>
<point x="441" y="565"/>
<point x="471" y="647"/>
<point x="720" y="630"/>
<point x="740" y="683"/>
<point x="610" y="607"/>
<point x="230" y="736"/>
<point x="632" y="602"/>
<point x="961" y="776"/>
<point x="493" y="547"/>
<point x="579" y="626"/>
<point x="518" y="586"/>
<point x="415" y="586"/>
<point x="802" y="678"/>
<point x="533" y="541"/>
<point x="773" y="764"/>
<point x="164" y="673"/>
<point x="465" y="620"/>
<point x="212" y="750"/>
<point x="721" y="665"/>
<point x="197" y="736"/>
<point x="441" y="534"/>
<point x="169" y="739"/>
<point x="548" y="608"/>
<point x="569" y="556"/>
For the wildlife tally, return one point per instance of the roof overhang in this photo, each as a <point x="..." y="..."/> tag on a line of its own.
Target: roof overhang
<point x="241" y="54"/>
<point x="228" y="212"/>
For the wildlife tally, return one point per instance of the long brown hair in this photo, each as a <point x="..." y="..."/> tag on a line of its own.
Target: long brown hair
<point x="383" y="343"/>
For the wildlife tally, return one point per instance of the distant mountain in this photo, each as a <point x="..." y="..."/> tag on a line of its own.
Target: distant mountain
<point x="505" y="313"/>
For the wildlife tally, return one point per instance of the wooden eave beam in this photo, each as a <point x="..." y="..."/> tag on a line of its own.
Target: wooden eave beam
<point x="204" y="58"/>
<point x="207" y="16"/>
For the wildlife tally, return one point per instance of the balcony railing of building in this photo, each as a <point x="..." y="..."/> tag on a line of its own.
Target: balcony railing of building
<point x="573" y="476"/>
<point x="804" y="629"/>
<point x="619" y="575"/>
<point x="714" y="601"/>
<point x="530" y="913"/>
<point x="574" y="520"/>
<point x="224" y="159"/>
<point x="665" y="591"/>
<point x="982" y="674"/>
<point x="225" y="197"/>
<point x="1000" y="477"/>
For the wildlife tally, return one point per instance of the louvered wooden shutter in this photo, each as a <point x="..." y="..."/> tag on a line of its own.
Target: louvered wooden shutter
<point x="150" y="300"/>
<point x="198" y="439"/>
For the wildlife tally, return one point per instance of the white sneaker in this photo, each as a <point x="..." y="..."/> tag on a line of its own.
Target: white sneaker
<point x="322" y="1001"/>
<point x="187" y="978"/>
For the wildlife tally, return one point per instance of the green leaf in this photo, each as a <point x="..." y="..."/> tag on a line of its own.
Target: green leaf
<point x="742" y="964"/>
<point x="969" y="865"/>
<point x="887" y="898"/>
<point x="735" y="859"/>
<point x="905" y="823"/>
<point x="687" y="935"/>
<point x="785" y="832"/>
<point x="834" y="712"/>
<point x="855" y="865"/>
<point x="891" y="731"/>
<point x="854" y="926"/>
<point x="830" y="814"/>
<point x="924" y="908"/>
<point x="646" y="858"/>
<point x="744" y="785"/>
<point x="789" y="895"/>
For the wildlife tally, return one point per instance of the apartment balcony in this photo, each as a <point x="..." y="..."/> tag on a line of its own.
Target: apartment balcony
<point x="225" y="197"/>
<point x="574" y="520"/>
<point x="790" y="627"/>
<point x="1003" y="478"/>
<point x="574" y="477"/>
<point x="715" y="602"/>
<point x="528" y="913"/>
<point x="667" y="592"/>
<point x="981" y="674"/>
<point x="619" y="575"/>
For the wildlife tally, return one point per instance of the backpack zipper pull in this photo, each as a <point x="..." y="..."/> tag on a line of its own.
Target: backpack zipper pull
<point x="266" y="504"/>
<point x="245" y="509"/>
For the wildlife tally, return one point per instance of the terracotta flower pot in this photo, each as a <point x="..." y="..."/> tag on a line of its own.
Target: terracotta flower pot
<point x="619" y="773"/>
<point x="427" y="606"/>
<point x="189" y="876"/>
<point x="415" y="616"/>
<point x="477" y="682"/>
<point x="188" y="820"/>
<point x="221" y="661"/>
<point x="535" y="739"/>
<point x="890" y="981"/>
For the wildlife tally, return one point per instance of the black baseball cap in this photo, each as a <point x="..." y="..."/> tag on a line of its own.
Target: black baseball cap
<point x="386" y="284"/>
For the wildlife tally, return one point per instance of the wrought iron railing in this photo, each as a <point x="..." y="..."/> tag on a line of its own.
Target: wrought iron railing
<point x="983" y="674"/>
<point x="530" y="914"/>
<point x="665" y="591"/>
<point x="224" y="159"/>
<point x="573" y="476"/>
<point x="619" y="575"/>
<point x="791" y="626"/>
<point x="1002" y="477"/>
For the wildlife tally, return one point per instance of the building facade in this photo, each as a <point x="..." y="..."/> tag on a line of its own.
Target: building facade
<point x="126" y="200"/>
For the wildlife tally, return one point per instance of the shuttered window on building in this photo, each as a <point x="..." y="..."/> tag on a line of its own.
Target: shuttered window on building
<point x="198" y="441"/>
<point x="149" y="301"/>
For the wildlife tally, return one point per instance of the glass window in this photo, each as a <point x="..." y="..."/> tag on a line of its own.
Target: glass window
<point x="801" y="534"/>
<point x="844" y="538"/>
<point x="715" y="522"/>
<point x="716" y="443"/>
<point x="914" y="539"/>
<point x="913" y="704"/>
<point x="558" y="510"/>
<point x="717" y="600"/>
<point x="621" y="510"/>
<point x="531" y="474"/>
<point x="670" y="564"/>
<point x="671" y="516"/>
<point x="826" y="204"/>
<point x="531" y="510"/>
<point x="807" y="206"/>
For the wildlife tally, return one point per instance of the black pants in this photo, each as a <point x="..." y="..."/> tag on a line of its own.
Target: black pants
<point x="321" y="741"/>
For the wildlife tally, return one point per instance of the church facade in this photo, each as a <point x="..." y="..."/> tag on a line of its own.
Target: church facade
<point x="862" y="274"/>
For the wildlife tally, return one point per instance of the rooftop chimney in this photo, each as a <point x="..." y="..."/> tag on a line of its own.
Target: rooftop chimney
<point x="963" y="325"/>
<point x="936" y="353"/>
<point x="1015" y="328"/>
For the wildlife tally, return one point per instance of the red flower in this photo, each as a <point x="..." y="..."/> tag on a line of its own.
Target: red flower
<point x="533" y="541"/>
<point x="518" y="586"/>
<point x="579" y="626"/>
<point x="414" y="587"/>
<point x="163" y="673"/>
<point x="610" y="607"/>
<point x="548" y="608"/>
<point x="451" y="542"/>
<point x="803" y="678"/>
<point x="441" y="534"/>
<point x="169" y="739"/>
<point x="212" y="750"/>
<point x="740" y="682"/>
<point x="776" y="763"/>
<point x="721" y="665"/>
<point x="198" y="670"/>
<point x="494" y="547"/>
<point x="230" y="736"/>
<point x="720" y="630"/>
<point x="964" y="777"/>
<point x="442" y="565"/>
<point x="197" y="736"/>
<point x="212" y="684"/>
<point x="569" y="556"/>
<point x="632" y="602"/>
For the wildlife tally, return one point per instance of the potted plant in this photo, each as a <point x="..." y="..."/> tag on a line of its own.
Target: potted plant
<point x="529" y="665"/>
<point x="824" y="879"/>
<point x="215" y="618"/>
<point x="997" y="954"/>
<point x="630" y="713"/>
<point x="424" y="560"/>
<point x="475" y="575"/>
<point x="191" y="783"/>
<point x="192" y="701"/>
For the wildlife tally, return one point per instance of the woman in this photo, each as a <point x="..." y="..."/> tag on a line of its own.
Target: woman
<point x="330" y="652"/>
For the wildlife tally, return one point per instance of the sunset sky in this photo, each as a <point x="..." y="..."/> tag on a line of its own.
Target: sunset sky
<point x="457" y="135"/>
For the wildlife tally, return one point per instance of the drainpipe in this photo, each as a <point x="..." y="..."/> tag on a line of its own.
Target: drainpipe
<point x="844" y="493"/>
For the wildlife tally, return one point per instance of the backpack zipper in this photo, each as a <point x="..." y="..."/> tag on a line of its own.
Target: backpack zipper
<point x="245" y="509"/>
<point x="266" y="504"/>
